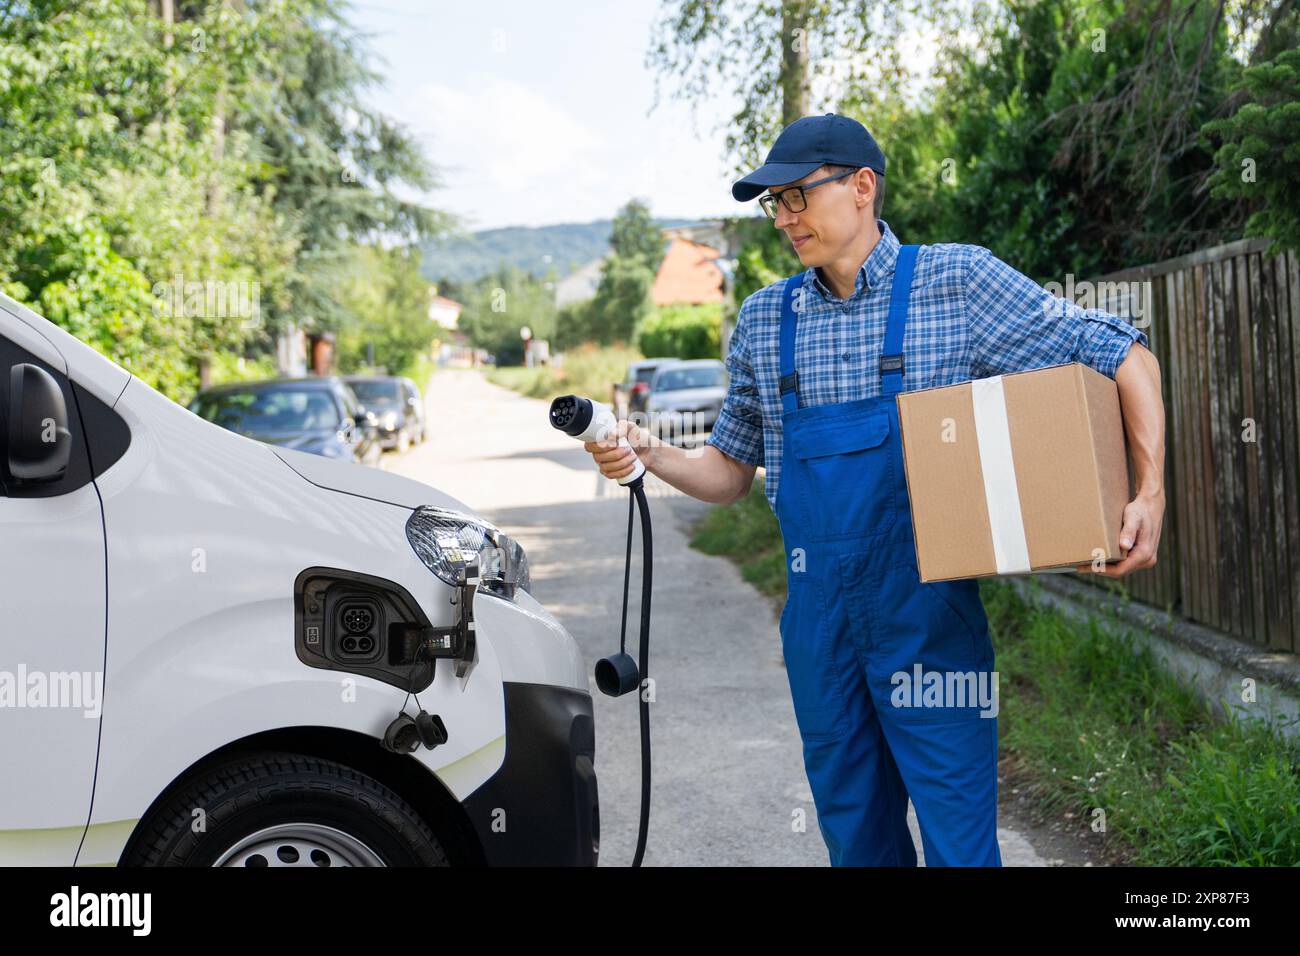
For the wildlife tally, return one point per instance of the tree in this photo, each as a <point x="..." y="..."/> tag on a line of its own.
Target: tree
<point x="385" y="289"/>
<point x="214" y="144"/>
<point x="1066" y="135"/>
<point x="575" y="324"/>
<point x="622" y="299"/>
<point x="1261" y="148"/>
<point x="1033" y="141"/>
<point x="770" y="55"/>
<point x="635" y="237"/>
<point x="498" y="305"/>
<point x="765" y="256"/>
<point x="105" y="161"/>
<point x="335" y="168"/>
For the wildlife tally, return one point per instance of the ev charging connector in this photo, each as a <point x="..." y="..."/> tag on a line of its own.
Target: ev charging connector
<point x="585" y="420"/>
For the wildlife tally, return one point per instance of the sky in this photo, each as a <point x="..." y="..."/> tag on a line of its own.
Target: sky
<point x="538" y="113"/>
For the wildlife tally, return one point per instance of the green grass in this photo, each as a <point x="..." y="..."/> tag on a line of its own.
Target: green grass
<point x="533" y="382"/>
<point x="1103" y="726"/>
<point x="1094" y="723"/>
<point x="421" y="369"/>
<point x="587" y="370"/>
<point x="748" y="532"/>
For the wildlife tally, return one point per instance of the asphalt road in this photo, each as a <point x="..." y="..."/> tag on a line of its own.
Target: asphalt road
<point x="728" y="780"/>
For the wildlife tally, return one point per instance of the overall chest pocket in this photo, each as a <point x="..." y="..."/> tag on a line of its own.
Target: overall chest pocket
<point x="845" y="474"/>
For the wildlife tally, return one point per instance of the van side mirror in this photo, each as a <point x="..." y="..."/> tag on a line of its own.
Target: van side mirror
<point x="39" y="442"/>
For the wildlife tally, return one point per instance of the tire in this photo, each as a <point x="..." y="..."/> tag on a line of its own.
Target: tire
<point x="278" y="809"/>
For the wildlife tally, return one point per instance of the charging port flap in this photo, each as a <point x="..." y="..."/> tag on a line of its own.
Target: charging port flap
<point x="361" y="624"/>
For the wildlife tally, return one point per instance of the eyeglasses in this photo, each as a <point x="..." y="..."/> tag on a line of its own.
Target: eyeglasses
<point x="793" y="197"/>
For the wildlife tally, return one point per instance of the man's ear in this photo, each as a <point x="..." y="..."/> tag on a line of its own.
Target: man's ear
<point x="865" y="185"/>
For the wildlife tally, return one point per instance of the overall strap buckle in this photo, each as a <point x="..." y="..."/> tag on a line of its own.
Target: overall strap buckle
<point x="891" y="358"/>
<point x="788" y="375"/>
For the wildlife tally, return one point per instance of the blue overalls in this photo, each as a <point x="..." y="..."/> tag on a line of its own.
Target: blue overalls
<point x="856" y="616"/>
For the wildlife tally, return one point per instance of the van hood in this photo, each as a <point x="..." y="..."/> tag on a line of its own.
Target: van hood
<point x="355" y="479"/>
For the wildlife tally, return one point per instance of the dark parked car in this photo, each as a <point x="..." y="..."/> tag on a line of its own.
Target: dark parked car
<point x="686" y="396"/>
<point x="395" y="407"/>
<point x="319" y="415"/>
<point x="630" y="395"/>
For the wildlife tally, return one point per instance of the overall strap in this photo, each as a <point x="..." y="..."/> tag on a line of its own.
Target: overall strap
<point x="789" y="382"/>
<point x="891" y="358"/>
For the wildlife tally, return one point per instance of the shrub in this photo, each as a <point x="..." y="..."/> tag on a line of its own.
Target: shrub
<point x="683" y="331"/>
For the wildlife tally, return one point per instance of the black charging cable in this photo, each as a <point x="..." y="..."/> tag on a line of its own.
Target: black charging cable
<point x="619" y="674"/>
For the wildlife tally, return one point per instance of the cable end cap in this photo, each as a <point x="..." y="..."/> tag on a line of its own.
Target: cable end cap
<point x="617" y="675"/>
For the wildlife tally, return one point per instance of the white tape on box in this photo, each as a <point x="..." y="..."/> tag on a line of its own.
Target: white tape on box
<point x="1010" y="549"/>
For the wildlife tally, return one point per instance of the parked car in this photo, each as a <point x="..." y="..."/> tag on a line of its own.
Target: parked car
<point x="319" y="415"/>
<point x="630" y="394"/>
<point x="394" y="406"/>
<point x="223" y="633"/>
<point x="686" y="396"/>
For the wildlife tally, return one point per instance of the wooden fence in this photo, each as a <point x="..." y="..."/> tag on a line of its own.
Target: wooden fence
<point x="1224" y="324"/>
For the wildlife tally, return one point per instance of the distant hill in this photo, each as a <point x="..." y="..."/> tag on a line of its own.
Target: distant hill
<point x="568" y="246"/>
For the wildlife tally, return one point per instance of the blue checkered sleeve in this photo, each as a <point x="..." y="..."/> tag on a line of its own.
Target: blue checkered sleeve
<point x="738" y="432"/>
<point x="1016" y="324"/>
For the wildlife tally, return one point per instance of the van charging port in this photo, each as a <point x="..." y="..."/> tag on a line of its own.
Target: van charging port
<point x="359" y="628"/>
<point x="361" y="624"/>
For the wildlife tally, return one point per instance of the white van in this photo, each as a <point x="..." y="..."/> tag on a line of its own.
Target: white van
<point x="205" y="642"/>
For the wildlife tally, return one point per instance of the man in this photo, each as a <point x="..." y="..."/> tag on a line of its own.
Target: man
<point x="816" y="362"/>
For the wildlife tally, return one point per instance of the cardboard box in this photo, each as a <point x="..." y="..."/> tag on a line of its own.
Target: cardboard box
<point x="1016" y="473"/>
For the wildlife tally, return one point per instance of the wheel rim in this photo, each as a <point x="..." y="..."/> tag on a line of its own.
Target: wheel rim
<point x="299" y="844"/>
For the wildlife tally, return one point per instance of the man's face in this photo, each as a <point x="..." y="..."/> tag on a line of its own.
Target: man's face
<point x="824" y="230"/>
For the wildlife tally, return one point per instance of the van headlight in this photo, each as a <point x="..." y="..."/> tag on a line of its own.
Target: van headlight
<point x="445" y="540"/>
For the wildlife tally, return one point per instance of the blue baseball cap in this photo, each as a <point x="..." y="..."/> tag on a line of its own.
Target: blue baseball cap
<point x="808" y="143"/>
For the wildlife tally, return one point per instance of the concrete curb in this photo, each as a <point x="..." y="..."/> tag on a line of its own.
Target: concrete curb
<point x="1212" y="663"/>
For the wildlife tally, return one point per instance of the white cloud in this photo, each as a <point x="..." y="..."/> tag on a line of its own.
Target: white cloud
<point x="538" y="162"/>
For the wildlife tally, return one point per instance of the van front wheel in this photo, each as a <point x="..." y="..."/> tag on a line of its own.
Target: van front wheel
<point x="284" y="810"/>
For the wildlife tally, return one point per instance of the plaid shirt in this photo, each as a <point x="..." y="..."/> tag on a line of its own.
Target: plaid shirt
<point x="971" y="316"/>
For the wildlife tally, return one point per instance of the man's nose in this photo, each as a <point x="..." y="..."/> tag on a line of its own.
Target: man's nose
<point x="784" y="217"/>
